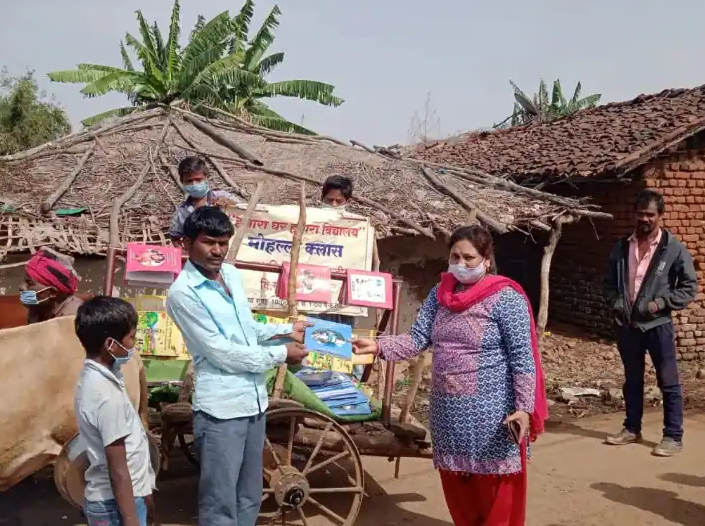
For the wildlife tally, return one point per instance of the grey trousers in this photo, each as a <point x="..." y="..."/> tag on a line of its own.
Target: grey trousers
<point x="230" y="455"/>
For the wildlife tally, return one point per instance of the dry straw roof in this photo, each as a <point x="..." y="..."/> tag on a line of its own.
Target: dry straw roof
<point x="122" y="173"/>
<point x="609" y="140"/>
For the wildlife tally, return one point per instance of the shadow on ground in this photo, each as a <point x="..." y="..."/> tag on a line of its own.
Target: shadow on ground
<point x="35" y="502"/>
<point x="685" y="480"/>
<point x="570" y="428"/>
<point x="666" y="504"/>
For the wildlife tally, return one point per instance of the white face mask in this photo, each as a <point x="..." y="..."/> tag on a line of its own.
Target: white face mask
<point x="468" y="275"/>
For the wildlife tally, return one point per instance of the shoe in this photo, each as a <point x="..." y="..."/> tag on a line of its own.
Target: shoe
<point x="668" y="447"/>
<point x="622" y="438"/>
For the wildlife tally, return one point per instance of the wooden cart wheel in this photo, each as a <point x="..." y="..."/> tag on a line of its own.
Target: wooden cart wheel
<point x="311" y="468"/>
<point x="188" y="448"/>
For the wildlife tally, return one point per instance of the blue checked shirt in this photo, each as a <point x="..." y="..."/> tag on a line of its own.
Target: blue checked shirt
<point x="231" y="352"/>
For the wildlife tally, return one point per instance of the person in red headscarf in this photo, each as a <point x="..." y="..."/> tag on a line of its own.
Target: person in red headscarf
<point x="49" y="289"/>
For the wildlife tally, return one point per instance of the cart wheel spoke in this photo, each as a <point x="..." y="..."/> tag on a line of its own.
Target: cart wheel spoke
<point x="290" y="444"/>
<point x="353" y="489"/>
<point x="274" y="517"/>
<point x="304" y="521"/>
<point x="316" y="449"/>
<point x="327" y="511"/>
<point x="327" y="461"/>
<point x="275" y="457"/>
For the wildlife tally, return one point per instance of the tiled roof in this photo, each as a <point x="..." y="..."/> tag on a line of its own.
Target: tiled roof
<point x="607" y="140"/>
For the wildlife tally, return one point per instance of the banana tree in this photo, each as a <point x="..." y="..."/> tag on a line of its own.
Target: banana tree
<point x="245" y="97"/>
<point x="542" y="108"/>
<point x="218" y="67"/>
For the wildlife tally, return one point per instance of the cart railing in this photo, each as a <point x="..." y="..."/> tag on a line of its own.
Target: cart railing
<point x="389" y="319"/>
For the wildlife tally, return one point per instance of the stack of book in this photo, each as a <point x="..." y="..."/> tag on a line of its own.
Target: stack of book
<point x="337" y="391"/>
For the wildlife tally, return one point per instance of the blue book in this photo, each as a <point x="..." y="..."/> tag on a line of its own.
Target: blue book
<point x="354" y="400"/>
<point x="328" y="337"/>
<point x="352" y="410"/>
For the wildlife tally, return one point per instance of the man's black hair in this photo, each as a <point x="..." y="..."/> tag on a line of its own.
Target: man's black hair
<point x="645" y="197"/>
<point x="191" y="164"/>
<point x="338" y="182"/>
<point x="208" y="220"/>
<point x="101" y="318"/>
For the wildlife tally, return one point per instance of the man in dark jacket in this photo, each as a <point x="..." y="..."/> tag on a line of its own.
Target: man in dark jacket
<point x="650" y="275"/>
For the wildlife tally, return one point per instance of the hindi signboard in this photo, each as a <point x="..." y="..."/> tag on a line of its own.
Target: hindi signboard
<point x="332" y="238"/>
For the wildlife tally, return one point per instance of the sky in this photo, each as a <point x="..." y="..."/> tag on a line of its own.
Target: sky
<point x="387" y="58"/>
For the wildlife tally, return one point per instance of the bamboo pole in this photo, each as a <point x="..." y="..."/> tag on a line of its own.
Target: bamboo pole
<point x="291" y="286"/>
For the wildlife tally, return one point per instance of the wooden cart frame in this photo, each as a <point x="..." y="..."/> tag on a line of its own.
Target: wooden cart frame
<point x="302" y="446"/>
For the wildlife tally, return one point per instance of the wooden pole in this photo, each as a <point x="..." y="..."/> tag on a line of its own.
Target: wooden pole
<point x="548" y="252"/>
<point x="291" y="290"/>
<point x="416" y="372"/>
<point x="245" y="224"/>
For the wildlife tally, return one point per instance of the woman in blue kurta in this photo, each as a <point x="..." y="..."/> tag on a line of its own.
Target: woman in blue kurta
<point x="486" y="374"/>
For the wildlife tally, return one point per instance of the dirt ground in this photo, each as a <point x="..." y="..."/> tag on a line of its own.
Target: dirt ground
<point x="574" y="479"/>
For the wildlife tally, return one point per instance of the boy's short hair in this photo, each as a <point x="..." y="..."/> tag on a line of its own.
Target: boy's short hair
<point x="208" y="220"/>
<point x="338" y="182"/>
<point x="101" y="318"/>
<point x="191" y="164"/>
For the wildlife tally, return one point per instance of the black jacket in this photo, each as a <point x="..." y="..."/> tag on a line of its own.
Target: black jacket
<point x="670" y="282"/>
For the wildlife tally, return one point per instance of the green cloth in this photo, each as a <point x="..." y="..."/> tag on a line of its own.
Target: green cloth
<point x="298" y="391"/>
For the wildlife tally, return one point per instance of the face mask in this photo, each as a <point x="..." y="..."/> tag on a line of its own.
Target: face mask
<point x="468" y="275"/>
<point x="29" y="297"/>
<point x="327" y="205"/>
<point x="120" y="360"/>
<point x="197" y="190"/>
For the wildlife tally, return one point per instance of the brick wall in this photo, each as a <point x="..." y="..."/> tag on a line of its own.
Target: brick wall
<point x="580" y="259"/>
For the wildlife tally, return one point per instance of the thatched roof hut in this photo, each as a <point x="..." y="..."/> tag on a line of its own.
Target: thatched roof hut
<point x="65" y="193"/>
<point x="116" y="183"/>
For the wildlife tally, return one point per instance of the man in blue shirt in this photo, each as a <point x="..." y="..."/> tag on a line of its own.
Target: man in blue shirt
<point x="231" y="353"/>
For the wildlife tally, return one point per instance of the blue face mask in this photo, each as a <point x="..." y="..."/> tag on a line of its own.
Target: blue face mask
<point x="120" y="360"/>
<point x="197" y="190"/>
<point x="29" y="298"/>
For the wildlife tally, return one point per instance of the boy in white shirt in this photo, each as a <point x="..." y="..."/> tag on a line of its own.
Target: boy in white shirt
<point x="120" y="479"/>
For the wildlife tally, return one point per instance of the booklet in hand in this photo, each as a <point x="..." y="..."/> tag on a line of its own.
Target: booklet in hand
<point x="328" y="337"/>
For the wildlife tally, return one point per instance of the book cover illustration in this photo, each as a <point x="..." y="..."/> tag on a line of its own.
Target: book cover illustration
<point x="369" y="289"/>
<point x="328" y="337"/>
<point x="313" y="283"/>
<point x="318" y="360"/>
<point x="152" y="264"/>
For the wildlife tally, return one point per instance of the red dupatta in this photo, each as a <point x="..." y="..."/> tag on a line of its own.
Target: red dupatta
<point x="489" y="285"/>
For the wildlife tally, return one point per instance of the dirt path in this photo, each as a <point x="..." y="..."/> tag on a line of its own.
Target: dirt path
<point x="574" y="481"/>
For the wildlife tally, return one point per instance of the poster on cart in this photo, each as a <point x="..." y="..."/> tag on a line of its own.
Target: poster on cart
<point x="332" y="238"/>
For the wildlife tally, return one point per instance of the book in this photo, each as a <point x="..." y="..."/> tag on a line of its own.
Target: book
<point x="313" y="283"/>
<point x="152" y="265"/>
<point x="328" y="337"/>
<point x="368" y="289"/>
<point x="352" y="410"/>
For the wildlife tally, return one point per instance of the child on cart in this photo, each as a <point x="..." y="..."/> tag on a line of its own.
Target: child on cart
<point x="337" y="193"/>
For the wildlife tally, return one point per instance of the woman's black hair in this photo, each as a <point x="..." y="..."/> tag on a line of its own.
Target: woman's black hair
<point x="646" y="197"/>
<point x="480" y="238"/>
<point x="191" y="164"/>
<point x="208" y="220"/>
<point x="101" y="318"/>
<point x="338" y="182"/>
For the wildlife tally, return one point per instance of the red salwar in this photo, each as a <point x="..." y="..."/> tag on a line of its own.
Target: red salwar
<point x="486" y="500"/>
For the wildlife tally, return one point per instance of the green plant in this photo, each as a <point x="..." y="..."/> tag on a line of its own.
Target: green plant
<point x="28" y="117"/>
<point x="219" y="68"/>
<point x="541" y="107"/>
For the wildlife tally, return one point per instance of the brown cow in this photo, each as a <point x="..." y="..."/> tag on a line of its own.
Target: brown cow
<point x="39" y="369"/>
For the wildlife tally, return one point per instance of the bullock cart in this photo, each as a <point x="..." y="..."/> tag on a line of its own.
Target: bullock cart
<point x="312" y="461"/>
